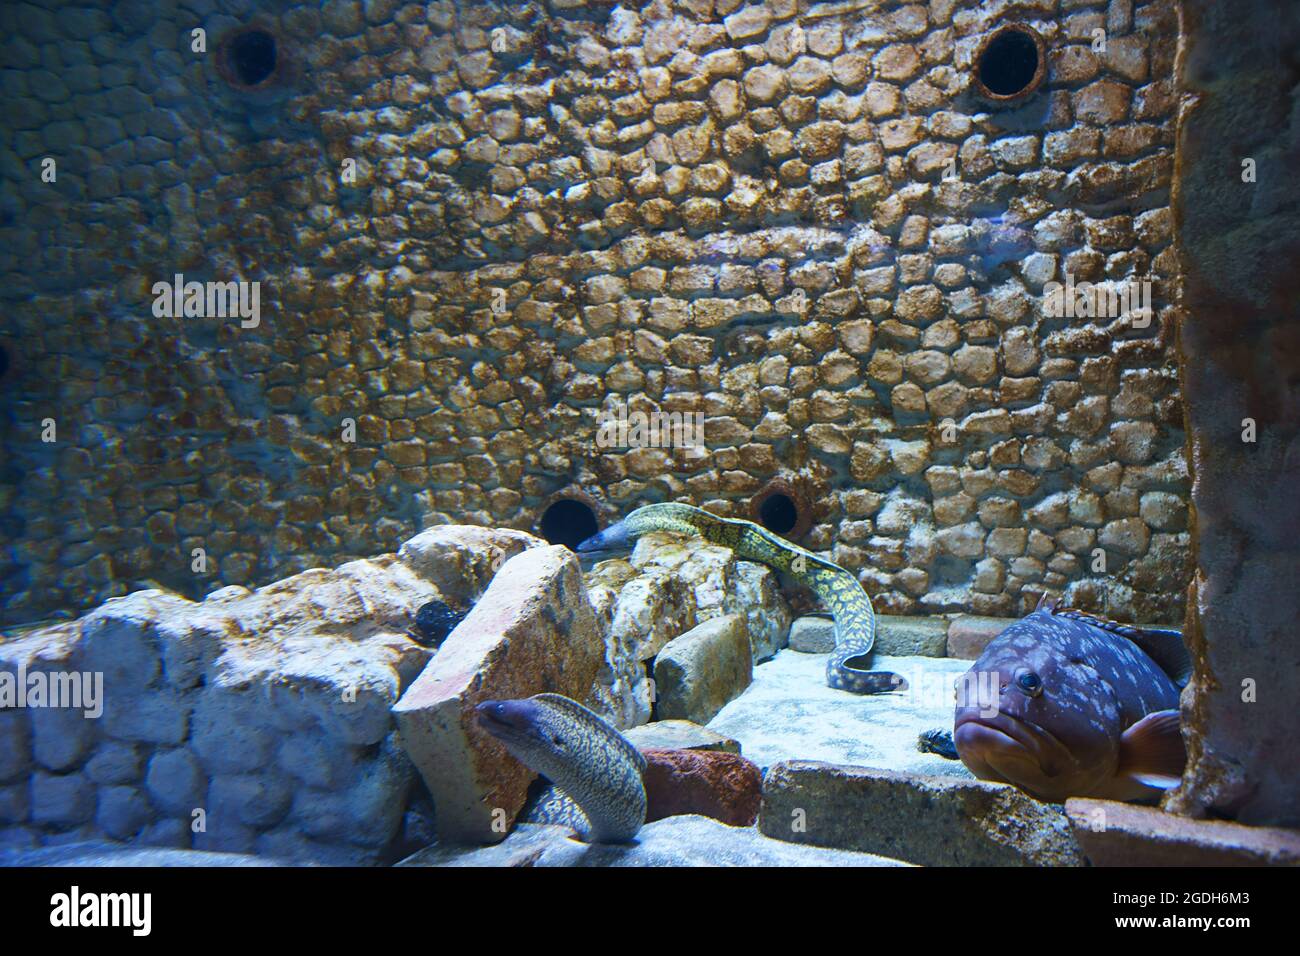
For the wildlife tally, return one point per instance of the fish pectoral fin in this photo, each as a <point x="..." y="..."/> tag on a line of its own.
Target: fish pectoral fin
<point x="1157" y="781"/>
<point x="1151" y="752"/>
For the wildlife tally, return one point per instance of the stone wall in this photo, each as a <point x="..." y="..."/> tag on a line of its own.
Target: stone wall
<point x="1240" y="344"/>
<point x="248" y="723"/>
<point x="693" y="206"/>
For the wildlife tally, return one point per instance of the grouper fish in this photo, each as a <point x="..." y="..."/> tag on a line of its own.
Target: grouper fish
<point x="1063" y="704"/>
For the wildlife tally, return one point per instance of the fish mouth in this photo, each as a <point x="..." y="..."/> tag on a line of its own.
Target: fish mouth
<point x="613" y="539"/>
<point x="1002" y="739"/>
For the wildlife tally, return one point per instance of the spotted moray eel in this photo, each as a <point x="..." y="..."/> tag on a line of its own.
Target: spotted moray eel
<point x="598" y="774"/>
<point x="839" y="591"/>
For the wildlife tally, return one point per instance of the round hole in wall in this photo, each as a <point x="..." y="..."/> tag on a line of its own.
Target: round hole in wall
<point x="780" y="508"/>
<point x="569" y="522"/>
<point x="4" y="361"/>
<point x="1010" y="63"/>
<point x="249" y="57"/>
<point x="778" y="513"/>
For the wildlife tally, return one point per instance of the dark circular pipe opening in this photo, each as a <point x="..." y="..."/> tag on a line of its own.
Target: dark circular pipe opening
<point x="778" y="513"/>
<point x="4" y="361"/>
<point x="782" y="509"/>
<point x="568" y="522"/>
<point x="249" y="57"/>
<point x="1011" y="63"/>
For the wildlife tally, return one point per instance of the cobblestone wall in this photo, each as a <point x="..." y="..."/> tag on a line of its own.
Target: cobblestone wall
<point x="796" y="218"/>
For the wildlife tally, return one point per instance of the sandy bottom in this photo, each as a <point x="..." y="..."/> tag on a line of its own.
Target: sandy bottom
<point x="789" y="713"/>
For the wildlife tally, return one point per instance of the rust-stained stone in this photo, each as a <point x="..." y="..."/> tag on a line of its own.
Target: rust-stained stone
<point x="1123" y="834"/>
<point x="711" y="783"/>
<point x="1239" y="349"/>
<point x="533" y="631"/>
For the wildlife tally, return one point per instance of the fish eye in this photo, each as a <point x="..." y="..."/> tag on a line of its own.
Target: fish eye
<point x="1030" y="683"/>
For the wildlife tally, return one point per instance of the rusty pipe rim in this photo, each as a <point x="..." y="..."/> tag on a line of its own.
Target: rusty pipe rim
<point x="573" y="497"/>
<point x="770" y="508"/>
<point x="1000" y="37"/>
<point x="236" y="46"/>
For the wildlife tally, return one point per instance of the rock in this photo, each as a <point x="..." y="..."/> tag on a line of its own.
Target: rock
<point x="896" y="635"/>
<point x="756" y="594"/>
<point x="532" y="631"/>
<point x="460" y="560"/>
<point x="175" y="781"/>
<point x="1126" y="535"/>
<point x="667" y="586"/>
<point x="674" y="841"/>
<point x="61" y="736"/>
<point x="711" y="783"/>
<point x="969" y="634"/>
<point x="64" y="800"/>
<point x="1122" y="834"/>
<point x="641" y="610"/>
<point x="116" y="854"/>
<point x="812" y="634"/>
<point x="122" y="811"/>
<point x="748" y="22"/>
<point x="933" y="821"/>
<point x="900" y="636"/>
<point x="115" y="763"/>
<point x="697" y="674"/>
<point x="679" y="735"/>
<point x="789" y="713"/>
<point x="15" y="751"/>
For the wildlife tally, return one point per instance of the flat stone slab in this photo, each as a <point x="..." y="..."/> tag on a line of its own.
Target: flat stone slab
<point x="1121" y="834"/>
<point x="117" y="854"/>
<point x="788" y="713"/>
<point x="674" y="841"/>
<point x="812" y="634"/>
<point x="931" y="821"/>
<point x="969" y="634"/>
<point x="901" y="635"/>
<point x="679" y="735"/>
<point x="897" y="635"/>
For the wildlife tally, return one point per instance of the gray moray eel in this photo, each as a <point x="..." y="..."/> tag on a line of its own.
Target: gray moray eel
<point x="598" y="772"/>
